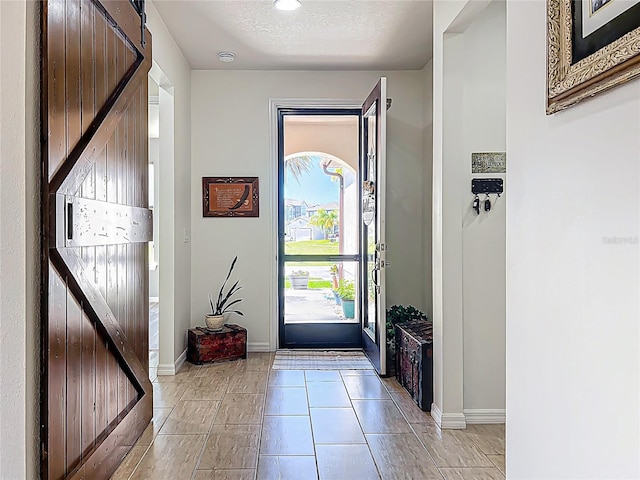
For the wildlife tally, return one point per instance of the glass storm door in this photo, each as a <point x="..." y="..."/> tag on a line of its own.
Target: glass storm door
<point x="319" y="234"/>
<point x="372" y="167"/>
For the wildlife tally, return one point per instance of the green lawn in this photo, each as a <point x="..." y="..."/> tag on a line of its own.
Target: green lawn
<point x="311" y="247"/>
<point x="314" y="283"/>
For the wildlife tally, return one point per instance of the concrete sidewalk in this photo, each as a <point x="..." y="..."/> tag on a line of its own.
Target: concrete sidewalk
<point x="312" y="306"/>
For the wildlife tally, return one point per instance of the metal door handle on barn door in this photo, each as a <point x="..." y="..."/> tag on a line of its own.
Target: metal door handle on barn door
<point x="69" y="221"/>
<point x="94" y="222"/>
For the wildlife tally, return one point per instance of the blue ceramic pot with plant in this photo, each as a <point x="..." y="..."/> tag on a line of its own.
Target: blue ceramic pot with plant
<point x="349" y="308"/>
<point x="347" y="294"/>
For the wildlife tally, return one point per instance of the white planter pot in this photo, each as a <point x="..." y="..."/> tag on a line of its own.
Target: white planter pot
<point x="299" y="282"/>
<point x="214" y="322"/>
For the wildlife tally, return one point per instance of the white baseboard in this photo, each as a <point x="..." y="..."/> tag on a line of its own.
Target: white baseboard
<point x="453" y="421"/>
<point x="154" y="299"/>
<point x="169" y="369"/>
<point x="166" y="369"/>
<point x="436" y="414"/>
<point x="180" y="361"/>
<point x="448" y="421"/>
<point x="485" y="416"/>
<point x="258" y="347"/>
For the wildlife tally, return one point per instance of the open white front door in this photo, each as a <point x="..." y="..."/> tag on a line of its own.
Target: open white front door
<point x="373" y="168"/>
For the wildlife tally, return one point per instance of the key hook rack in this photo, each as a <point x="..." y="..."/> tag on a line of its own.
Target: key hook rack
<point x="487" y="185"/>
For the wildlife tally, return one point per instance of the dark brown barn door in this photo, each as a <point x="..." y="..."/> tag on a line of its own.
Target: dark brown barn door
<point x="96" y="395"/>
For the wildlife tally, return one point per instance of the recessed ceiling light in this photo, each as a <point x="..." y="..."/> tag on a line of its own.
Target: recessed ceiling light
<point x="226" y="57"/>
<point x="287" y="5"/>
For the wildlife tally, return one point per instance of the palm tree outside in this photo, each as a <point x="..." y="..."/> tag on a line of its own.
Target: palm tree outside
<point x="298" y="166"/>
<point x="325" y="220"/>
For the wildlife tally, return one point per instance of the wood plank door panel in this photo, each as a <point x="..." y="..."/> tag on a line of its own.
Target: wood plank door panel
<point x="96" y="396"/>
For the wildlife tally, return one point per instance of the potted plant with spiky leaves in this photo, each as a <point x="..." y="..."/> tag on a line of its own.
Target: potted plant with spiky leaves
<point x="224" y="303"/>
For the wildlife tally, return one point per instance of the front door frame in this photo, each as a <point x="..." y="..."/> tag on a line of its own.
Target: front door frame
<point x="165" y="221"/>
<point x="274" y="106"/>
<point x="375" y="346"/>
<point x="337" y="335"/>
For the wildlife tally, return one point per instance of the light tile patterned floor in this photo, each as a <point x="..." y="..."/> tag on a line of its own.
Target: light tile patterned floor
<point x="245" y="420"/>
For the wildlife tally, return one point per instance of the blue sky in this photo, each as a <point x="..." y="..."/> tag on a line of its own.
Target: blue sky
<point x="315" y="187"/>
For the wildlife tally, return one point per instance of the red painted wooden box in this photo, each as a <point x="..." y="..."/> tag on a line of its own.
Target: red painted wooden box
<point x="207" y="346"/>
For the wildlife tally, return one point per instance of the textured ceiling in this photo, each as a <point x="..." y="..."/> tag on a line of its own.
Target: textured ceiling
<point x="320" y="35"/>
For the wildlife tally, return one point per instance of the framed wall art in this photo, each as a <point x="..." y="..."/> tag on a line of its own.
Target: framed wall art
<point x="592" y="45"/>
<point x="489" y="162"/>
<point x="230" y="197"/>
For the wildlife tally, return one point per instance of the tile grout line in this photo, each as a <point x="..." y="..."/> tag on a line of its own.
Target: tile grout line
<point x="153" y="439"/>
<point x="154" y="436"/>
<point x="411" y="427"/>
<point x="229" y="376"/>
<point x="477" y="445"/>
<point x="366" y="441"/>
<point x="313" y="441"/>
<point x="206" y="437"/>
<point x="235" y="373"/>
<point x="139" y="461"/>
<point x="425" y="447"/>
<point x="264" y="407"/>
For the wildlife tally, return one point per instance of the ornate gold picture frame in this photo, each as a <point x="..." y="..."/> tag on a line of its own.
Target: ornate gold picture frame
<point x="581" y="65"/>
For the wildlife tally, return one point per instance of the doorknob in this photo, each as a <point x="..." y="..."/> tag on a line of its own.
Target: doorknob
<point x="374" y="275"/>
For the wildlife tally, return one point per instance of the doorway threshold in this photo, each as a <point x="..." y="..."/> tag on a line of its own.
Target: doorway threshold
<point x="322" y="360"/>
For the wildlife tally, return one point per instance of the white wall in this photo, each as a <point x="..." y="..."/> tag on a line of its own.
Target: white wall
<point x="447" y="351"/>
<point x="482" y="129"/>
<point x="427" y="184"/>
<point x="173" y="74"/>
<point x="231" y="136"/>
<point x="19" y="240"/>
<point x="459" y="127"/>
<point x="572" y="272"/>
